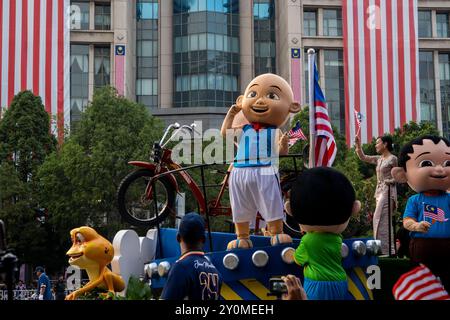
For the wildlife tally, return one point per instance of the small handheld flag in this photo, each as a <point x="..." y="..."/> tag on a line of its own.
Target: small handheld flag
<point x="359" y="118"/>
<point x="434" y="213"/>
<point x="296" y="134"/>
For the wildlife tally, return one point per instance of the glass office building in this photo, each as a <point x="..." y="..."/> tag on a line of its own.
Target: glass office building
<point x="189" y="60"/>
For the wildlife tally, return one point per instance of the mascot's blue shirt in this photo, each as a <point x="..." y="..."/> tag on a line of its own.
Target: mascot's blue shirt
<point x="256" y="147"/>
<point x="434" y="209"/>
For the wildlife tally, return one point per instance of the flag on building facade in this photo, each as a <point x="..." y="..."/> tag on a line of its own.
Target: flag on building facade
<point x="380" y="65"/>
<point x="325" y="144"/>
<point x="34" y="55"/>
<point x="295" y="134"/>
<point x="419" y="284"/>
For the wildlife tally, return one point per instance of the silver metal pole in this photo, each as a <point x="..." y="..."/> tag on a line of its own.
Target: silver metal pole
<point x="312" y="124"/>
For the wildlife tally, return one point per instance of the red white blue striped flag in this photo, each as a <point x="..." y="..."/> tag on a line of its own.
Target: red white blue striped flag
<point x="34" y="54"/>
<point x="434" y="213"/>
<point x="419" y="284"/>
<point x="381" y="65"/>
<point x="296" y="134"/>
<point x="325" y="144"/>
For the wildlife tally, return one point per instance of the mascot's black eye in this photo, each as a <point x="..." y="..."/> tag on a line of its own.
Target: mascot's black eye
<point x="446" y="163"/>
<point x="273" y="96"/>
<point x="252" y="94"/>
<point x="426" y="163"/>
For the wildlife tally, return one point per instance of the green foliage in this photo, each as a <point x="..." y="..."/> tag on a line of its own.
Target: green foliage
<point x="78" y="184"/>
<point x="24" y="134"/>
<point x="25" y="142"/>
<point x="138" y="290"/>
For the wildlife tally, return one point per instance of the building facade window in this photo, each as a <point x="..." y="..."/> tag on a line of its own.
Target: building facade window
<point x="147" y="48"/>
<point x="444" y="71"/>
<point x="79" y="15"/>
<point x="442" y="25"/>
<point x="332" y="22"/>
<point x="102" y="66"/>
<point x="79" y="80"/>
<point x="334" y="87"/>
<point x="310" y="23"/>
<point x="206" y="53"/>
<point x="427" y="88"/>
<point x="264" y="36"/>
<point x="103" y="16"/>
<point x="425" y="24"/>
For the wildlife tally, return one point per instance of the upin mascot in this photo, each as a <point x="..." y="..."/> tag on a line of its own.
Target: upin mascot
<point x="322" y="201"/>
<point x="254" y="183"/>
<point x="424" y="164"/>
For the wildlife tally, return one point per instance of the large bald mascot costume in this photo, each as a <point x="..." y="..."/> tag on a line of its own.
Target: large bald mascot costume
<point x="254" y="181"/>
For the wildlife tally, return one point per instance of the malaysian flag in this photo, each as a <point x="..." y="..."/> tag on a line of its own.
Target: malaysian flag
<point x="419" y="284"/>
<point x="325" y="145"/>
<point x="434" y="213"/>
<point x="381" y="67"/>
<point x="34" y="54"/>
<point x="358" y="118"/>
<point x="296" y="134"/>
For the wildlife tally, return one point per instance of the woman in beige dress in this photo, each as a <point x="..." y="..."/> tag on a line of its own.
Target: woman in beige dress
<point x="385" y="161"/>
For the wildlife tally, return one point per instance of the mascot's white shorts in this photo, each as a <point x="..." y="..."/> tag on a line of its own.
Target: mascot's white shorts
<point x="253" y="190"/>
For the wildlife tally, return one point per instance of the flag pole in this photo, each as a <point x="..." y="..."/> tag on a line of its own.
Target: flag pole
<point x="312" y="124"/>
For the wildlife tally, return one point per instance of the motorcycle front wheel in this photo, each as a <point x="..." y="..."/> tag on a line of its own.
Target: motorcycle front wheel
<point x="140" y="209"/>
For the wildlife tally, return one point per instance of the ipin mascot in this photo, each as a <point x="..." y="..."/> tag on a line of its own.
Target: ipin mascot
<point x="254" y="182"/>
<point x="424" y="164"/>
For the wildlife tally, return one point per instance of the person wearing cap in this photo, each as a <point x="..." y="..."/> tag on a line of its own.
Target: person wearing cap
<point x="44" y="288"/>
<point x="193" y="276"/>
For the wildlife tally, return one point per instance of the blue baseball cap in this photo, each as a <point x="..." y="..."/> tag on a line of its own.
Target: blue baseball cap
<point x="192" y="228"/>
<point x="39" y="269"/>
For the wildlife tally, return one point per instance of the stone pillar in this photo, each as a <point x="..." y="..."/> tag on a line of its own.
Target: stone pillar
<point x="289" y="35"/>
<point x="165" y="85"/>
<point x="123" y="20"/>
<point x="246" y="42"/>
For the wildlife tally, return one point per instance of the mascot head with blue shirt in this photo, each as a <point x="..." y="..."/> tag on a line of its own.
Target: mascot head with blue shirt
<point x="424" y="163"/>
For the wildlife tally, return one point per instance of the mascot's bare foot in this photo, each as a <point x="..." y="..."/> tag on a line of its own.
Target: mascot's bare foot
<point x="280" y="239"/>
<point x="240" y="244"/>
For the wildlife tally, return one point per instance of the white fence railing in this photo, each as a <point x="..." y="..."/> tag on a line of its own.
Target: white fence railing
<point x="23" y="294"/>
<point x="18" y="294"/>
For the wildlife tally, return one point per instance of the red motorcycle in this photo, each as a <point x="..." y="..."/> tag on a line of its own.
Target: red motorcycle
<point x="146" y="196"/>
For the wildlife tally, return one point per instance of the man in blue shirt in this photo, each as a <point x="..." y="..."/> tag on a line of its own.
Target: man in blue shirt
<point x="193" y="276"/>
<point x="44" y="288"/>
<point x="424" y="164"/>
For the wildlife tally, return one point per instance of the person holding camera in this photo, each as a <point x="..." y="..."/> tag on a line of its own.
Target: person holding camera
<point x="294" y="288"/>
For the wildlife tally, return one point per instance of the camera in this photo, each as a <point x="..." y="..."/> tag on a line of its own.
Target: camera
<point x="277" y="287"/>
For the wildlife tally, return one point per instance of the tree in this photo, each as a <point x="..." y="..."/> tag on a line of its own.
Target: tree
<point x="25" y="141"/>
<point x="78" y="184"/>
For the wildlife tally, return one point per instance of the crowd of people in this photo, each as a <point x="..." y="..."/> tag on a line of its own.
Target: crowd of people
<point x="41" y="288"/>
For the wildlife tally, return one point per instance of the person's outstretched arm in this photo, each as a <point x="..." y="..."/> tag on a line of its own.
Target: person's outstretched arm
<point x="361" y="155"/>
